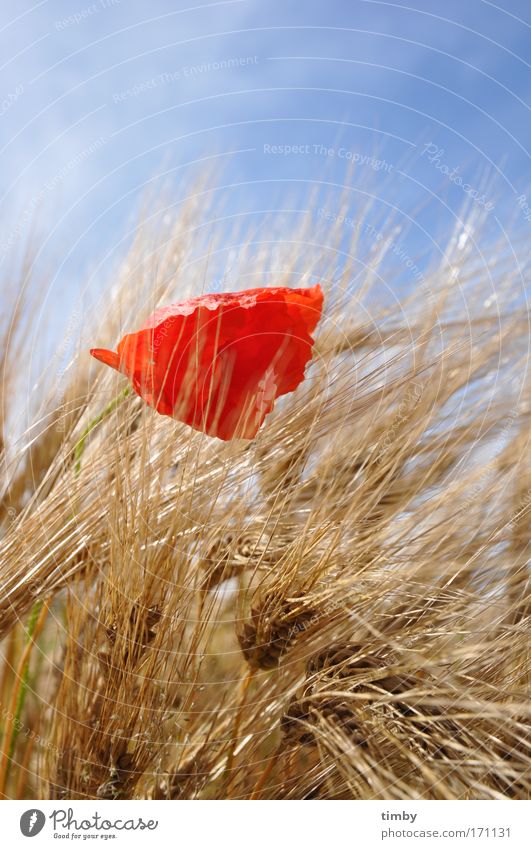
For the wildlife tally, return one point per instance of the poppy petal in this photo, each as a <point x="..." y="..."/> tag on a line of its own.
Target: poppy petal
<point x="110" y="358"/>
<point x="219" y="361"/>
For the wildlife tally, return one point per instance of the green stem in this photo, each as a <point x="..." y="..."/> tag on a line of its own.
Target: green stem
<point x="80" y="444"/>
<point x="37" y="607"/>
<point x="21" y="697"/>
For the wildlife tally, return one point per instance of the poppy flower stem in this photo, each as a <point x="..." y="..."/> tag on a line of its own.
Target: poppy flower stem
<point x="13" y="725"/>
<point x="80" y="444"/>
<point x="37" y="618"/>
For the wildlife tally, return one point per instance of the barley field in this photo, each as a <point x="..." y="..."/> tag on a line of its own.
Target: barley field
<point x="338" y="608"/>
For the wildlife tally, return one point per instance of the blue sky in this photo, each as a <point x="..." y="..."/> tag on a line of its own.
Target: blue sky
<point x="98" y="97"/>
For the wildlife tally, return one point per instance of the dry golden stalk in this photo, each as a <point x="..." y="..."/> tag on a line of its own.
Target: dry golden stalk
<point x="375" y="533"/>
<point x="271" y="632"/>
<point x="142" y="621"/>
<point x="231" y="555"/>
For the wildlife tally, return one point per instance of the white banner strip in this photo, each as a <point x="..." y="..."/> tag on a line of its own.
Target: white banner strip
<point x="263" y="825"/>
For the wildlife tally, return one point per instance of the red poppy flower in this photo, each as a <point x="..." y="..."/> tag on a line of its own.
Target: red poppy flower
<point x="218" y="362"/>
